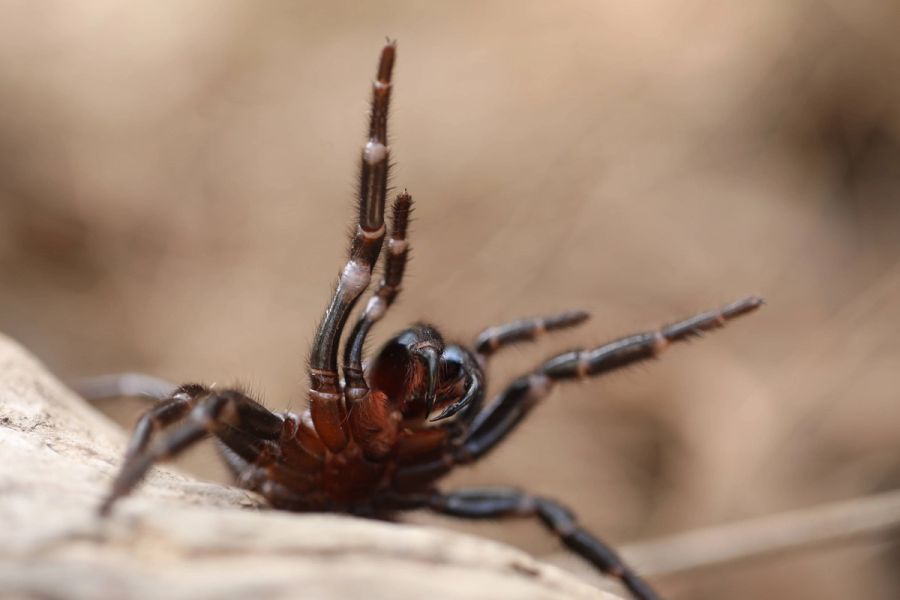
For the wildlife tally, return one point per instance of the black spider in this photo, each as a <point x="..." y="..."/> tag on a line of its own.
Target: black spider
<point x="377" y="440"/>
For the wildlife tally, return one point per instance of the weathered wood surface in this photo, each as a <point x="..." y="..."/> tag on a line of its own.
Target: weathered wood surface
<point x="178" y="538"/>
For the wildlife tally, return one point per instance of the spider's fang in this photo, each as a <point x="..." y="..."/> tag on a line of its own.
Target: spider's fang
<point x="429" y="358"/>
<point x="449" y="411"/>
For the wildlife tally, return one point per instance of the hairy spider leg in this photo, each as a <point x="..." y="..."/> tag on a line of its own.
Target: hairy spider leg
<point x="214" y="412"/>
<point x="325" y="399"/>
<point x="491" y="503"/>
<point x="164" y="413"/>
<point x="383" y="297"/>
<point x="370" y="416"/>
<point x="499" y="418"/>
<point x="494" y="338"/>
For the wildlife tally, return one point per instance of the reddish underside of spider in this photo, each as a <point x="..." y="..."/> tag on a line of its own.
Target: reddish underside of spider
<point x="377" y="439"/>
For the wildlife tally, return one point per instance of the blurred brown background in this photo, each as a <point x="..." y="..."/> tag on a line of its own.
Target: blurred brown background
<point x="176" y="183"/>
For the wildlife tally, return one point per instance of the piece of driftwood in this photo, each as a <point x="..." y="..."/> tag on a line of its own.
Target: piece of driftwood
<point x="179" y="538"/>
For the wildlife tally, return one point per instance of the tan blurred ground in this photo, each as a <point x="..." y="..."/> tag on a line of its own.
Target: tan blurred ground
<point x="176" y="182"/>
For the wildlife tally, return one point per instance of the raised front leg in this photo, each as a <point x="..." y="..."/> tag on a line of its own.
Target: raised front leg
<point x="371" y="421"/>
<point x="388" y="289"/>
<point x="325" y="399"/>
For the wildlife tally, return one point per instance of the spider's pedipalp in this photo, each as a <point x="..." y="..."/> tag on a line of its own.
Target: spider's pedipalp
<point x="325" y="399"/>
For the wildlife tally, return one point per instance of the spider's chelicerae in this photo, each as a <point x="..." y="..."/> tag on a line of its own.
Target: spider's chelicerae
<point x="377" y="437"/>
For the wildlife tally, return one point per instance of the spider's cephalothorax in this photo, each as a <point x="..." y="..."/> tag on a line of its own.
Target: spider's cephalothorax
<point x="377" y="437"/>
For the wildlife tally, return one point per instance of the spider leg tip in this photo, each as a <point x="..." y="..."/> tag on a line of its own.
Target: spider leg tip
<point x="386" y="65"/>
<point x="105" y="508"/>
<point x="580" y="315"/>
<point x="755" y="301"/>
<point x="742" y="306"/>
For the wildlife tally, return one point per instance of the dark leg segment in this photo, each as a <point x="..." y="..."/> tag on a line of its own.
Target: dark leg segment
<point x="213" y="413"/>
<point x="629" y="350"/>
<point x="494" y="503"/>
<point x="493" y="338"/>
<point x="355" y="387"/>
<point x="325" y="401"/>
<point x="168" y="411"/>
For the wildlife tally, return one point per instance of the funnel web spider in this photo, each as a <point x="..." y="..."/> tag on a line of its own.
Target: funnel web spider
<point x="378" y="436"/>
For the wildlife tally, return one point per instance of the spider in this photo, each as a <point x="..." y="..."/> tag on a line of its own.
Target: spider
<point x="377" y="437"/>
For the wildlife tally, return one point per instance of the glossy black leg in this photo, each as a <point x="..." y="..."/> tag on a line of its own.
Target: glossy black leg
<point x="499" y="336"/>
<point x="493" y="503"/>
<point x="212" y="413"/>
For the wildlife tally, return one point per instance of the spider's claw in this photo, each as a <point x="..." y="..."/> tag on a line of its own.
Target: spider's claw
<point x="452" y="409"/>
<point x="430" y="359"/>
<point x="128" y="477"/>
<point x="104" y="509"/>
<point x="472" y="390"/>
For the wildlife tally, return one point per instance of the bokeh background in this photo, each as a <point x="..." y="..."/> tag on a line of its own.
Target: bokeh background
<point x="176" y="183"/>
